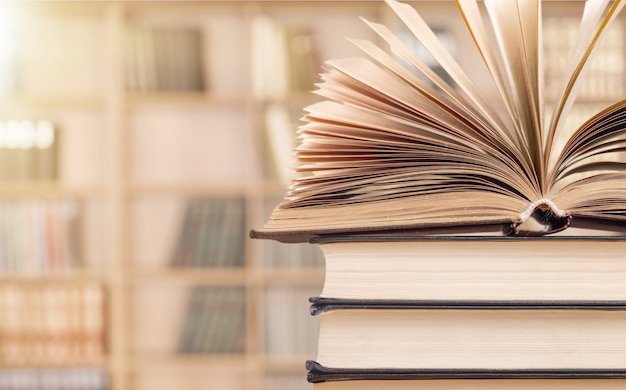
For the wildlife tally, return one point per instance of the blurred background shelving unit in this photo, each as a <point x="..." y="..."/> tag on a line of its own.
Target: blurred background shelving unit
<point x="172" y="125"/>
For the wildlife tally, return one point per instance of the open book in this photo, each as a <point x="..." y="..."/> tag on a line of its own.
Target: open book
<point x="395" y="147"/>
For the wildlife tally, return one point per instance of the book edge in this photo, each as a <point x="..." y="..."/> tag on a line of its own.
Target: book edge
<point x="320" y="305"/>
<point x="489" y="229"/>
<point x="318" y="373"/>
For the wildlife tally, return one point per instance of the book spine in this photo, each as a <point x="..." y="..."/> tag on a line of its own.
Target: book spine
<point x="39" y="236"/>
<point x="28" y="150"/>
<point x="161" y="58"/>
<point x="321" y="305"/>
<point x="318" y="373"/>
<point x="52" y="325"/>
<point x="211" y="234"/>
<point x="53" y="379"/>
<point x="215" y="322"/>
<point x="289" y="330"/>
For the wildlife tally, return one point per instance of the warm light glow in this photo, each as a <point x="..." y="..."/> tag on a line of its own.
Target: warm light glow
<point x="8" y="46"/>
<point x="44" y="137"/>
<point x="26" y="134"/>
<point x="2" y="136"/>
<point x="12" y="134"/>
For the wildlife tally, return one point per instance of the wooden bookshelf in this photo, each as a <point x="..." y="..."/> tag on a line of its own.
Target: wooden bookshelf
<point x="135" y="159"/>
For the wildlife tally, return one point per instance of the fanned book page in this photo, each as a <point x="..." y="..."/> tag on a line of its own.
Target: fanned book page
<point x="396" y="146"/>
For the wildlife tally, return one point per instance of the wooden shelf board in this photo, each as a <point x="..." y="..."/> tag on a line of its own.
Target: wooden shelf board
<point x="290" y="364"/>
<point x="301" y="277"/>
<point x="30" y="189"/>
<point x="182" y="99"/>
<point x="173" y="362"/>
<point x="54" y="277"/>
<point x="61" y="8"/>
<point x="55" y="364"/>
<point x="189" y="189"/>
<point x="30" y="103"/>
<point x="296" y="100"/>
<point x="191" y="276"/>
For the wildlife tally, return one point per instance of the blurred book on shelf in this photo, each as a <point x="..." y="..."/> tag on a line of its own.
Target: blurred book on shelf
<point x="275" y="255"/>
<point x="52" y="325"/>
<point x="289" y="329"/>
<point x="606" y="74"/>
<point x="295" y="256"/>
<point x="28" y="150"/>
<point x="54" y="379"/>
<point x="40" y="236"/>
<point x="284" y="58"/>
<point x="212" y="234"/>
<point x="605" y="78"/>
<point x="9" y="55"/>
<point x="164" y="58"/>
<point x="215" y="322"/>
<point x="279" y="141"/>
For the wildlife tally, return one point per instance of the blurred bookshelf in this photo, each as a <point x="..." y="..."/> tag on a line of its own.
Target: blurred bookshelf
<point x="143" y="141"/>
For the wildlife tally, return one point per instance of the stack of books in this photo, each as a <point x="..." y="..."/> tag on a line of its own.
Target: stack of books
<point x="470" y="309"/>
<point x="469" y="241"/>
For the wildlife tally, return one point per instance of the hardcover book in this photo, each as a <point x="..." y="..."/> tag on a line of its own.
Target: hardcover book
<point x="395" y="147"/>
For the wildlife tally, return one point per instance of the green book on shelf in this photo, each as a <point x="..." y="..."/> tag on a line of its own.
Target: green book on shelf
<point x="394" y="147"/>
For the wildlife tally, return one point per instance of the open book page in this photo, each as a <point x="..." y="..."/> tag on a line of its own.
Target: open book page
<point x="596" y="18"/>
<point x="597" y="146"/>
<point x="417" y="25"/>
<point x="441" y="209"/>
<point x="516" y="27"/>
<point x="444" y="101"/>
<point x="380" y="146"/>
<point x="591" y="177"/>
<point x="473" y="18"/>
<point x="390" y="112"/>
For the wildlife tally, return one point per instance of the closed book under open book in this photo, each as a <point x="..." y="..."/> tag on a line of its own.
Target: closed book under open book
<point x="388" y="268"/>
<point x="463" y="343"/>
<point x="477" y="384"/>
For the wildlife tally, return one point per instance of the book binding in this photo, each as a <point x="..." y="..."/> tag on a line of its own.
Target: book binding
<point x="318" y="373"/>
<point x="321" y="305"/>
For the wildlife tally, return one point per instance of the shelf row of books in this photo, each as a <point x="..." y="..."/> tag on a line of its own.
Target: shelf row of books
<point x="212" y="234"/>
<point x="295" y="256"/>
<point x="289" y="329"/>
<point x="39" y="236"/>
<point x="284" y="58"/>
<point x="164" y="58"/>
<point x="53" y="324"/>
<point x="215" y="322"/>
<point x="28" y="150"/>
<point x="279" y="140"/>
<point x="605" y="79"/>
<point x="54" y="379"/>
